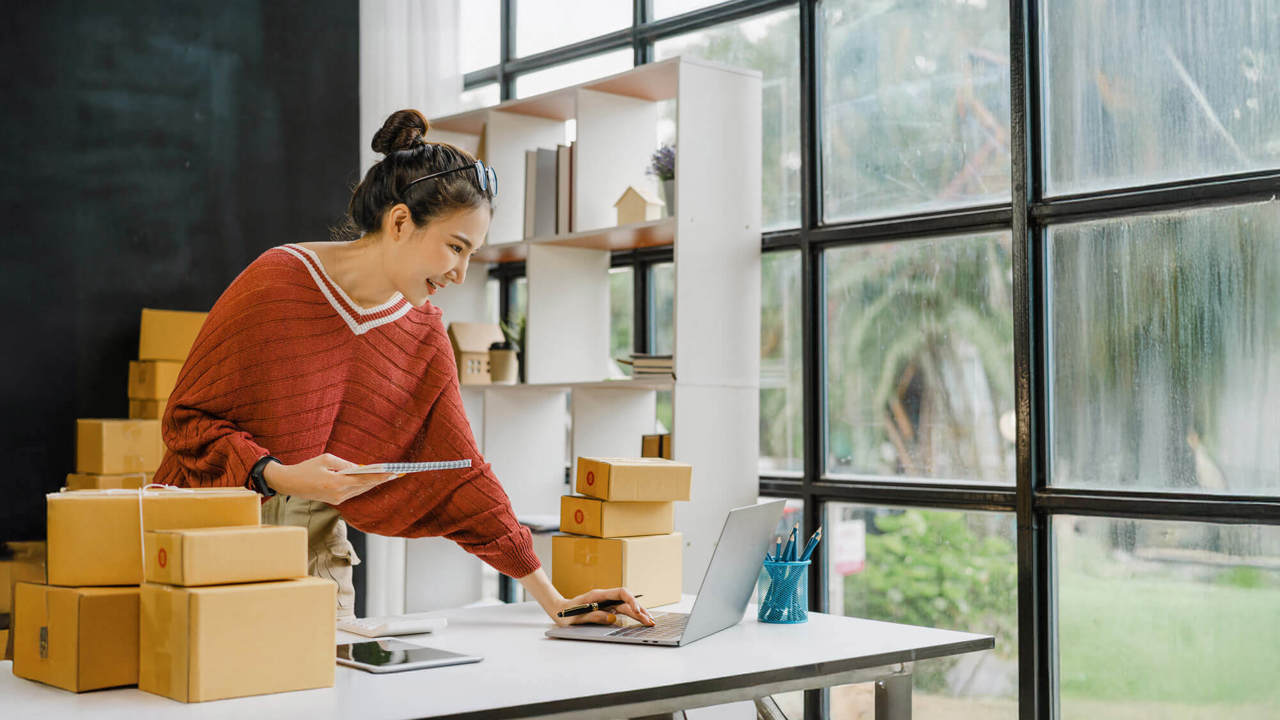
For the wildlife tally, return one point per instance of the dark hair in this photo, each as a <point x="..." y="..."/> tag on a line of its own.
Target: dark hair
<point x="408" y="157"/>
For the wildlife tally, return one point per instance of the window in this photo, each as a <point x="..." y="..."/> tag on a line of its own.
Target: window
<point x="920" y="359"/>
<point x="572" y="73"/>
<point x="1167" y="619"/>
<point x="621" y="310"/>
<point x="662" y="289"/>
<point x="1165" y="347"/>
<point x="546" y="24"/>
<point x="478" y="97"/>
<point x="481" y="31"/>
<point x="1202" y="80"/>
<point x="768" y="43"/>
<point x="915" y="105"/>
<point x="781" y="397"/>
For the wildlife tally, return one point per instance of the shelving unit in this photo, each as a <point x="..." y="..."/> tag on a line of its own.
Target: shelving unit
<point x="524" y="429"/>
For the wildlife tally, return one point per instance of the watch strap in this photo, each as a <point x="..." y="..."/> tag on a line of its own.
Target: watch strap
<point x="257" y="478"/>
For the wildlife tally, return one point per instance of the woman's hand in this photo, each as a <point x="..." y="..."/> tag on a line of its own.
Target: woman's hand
<point x="319" y="479"/>
<point x="608" y="616"/>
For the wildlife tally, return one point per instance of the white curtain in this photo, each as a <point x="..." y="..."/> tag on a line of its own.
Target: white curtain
<point x="408" y="59"/>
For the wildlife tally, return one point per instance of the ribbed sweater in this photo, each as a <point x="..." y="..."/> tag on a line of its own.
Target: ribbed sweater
<point x="287" y="365"/>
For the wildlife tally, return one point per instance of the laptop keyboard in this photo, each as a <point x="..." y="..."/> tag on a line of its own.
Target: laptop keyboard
<point x="669" y="626"/>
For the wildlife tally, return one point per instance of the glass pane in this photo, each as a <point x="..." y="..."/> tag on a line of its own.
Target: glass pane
<point x="492" y="288"/>
<point x="546" y="24"/>
<point x="667" y="8"/>
<point x="480" y="23"/>
<point x="915" y="105"/>
<point x="920" y="359"/>
<point x="1161" y="619"/>
<point x="621" y="312"/>
<point x="662" y="292"/>
<point x="1202" y="80"/>
<point x="482" y="96"/>
<point x="781" y="394"/>
<point x="518" y="307"/>
<point x="1164" y="338"/>
<point x="572" y="73"/>
<point x="768" y="43"/>
<point x="936" y="568"/>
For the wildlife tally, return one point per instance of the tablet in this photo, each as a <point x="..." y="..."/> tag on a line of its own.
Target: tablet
<point x="382" y="656"/>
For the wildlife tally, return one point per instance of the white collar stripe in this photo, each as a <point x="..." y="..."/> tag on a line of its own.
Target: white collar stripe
<point x="390" y="311"/>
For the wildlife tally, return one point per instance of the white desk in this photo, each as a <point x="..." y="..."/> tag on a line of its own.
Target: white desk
<point x="526" y="675"/>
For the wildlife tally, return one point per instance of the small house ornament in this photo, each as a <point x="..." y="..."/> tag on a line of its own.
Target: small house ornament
<point x="637" y="206"/>
<point x="471" y="343"/>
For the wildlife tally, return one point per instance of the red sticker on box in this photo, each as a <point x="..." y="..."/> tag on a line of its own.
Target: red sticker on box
<point x="578" y="517"/>
<point x="591" y="477"/>
<point x="163" y="557"/>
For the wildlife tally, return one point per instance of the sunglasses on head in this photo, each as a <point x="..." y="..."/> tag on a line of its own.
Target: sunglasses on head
<point x="485" y="177"/>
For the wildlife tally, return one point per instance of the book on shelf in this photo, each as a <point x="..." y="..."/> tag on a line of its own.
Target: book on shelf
<point x="643" y="364"/>
<point x="548" y="191"/>
<point x="564" y="169"/>
<point x="544" y="221"/>
<point x="530" y="191"/>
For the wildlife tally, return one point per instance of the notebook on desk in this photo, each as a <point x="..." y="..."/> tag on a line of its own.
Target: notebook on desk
<point x="723" y="596"/>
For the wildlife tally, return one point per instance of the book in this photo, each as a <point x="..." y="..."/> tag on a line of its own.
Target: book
<point x="544" y="220"/>
<point x="563" y="188"/>
<point x="530" y="191"/>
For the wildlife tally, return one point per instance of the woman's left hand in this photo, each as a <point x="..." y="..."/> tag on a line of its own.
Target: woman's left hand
<point x="608" y="616"/>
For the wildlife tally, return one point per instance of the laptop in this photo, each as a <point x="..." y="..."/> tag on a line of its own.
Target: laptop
<point x="723" y="596"/>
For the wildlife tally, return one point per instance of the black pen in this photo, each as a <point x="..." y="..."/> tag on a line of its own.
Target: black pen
<point x="591" y="607"/>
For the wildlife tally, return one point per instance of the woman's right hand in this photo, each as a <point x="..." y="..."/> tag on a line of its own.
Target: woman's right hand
<point x="319" y="479"/>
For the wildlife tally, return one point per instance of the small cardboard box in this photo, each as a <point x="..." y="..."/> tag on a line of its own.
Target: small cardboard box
<point x="76" y="638"/>
<point x="604" y="519"/>
<point x="656" y="446"/>
<point x="634" y="479"/>
<point x="89" y="481"/>
<point x="168" y="334"/>
<point x="147" y="409"/>
<point x="220" y="555"/>
<point x="112" y="447"/>
<point x="647" y="565"/>
<point x="227" y="641"/>
<point x="94" y="537"/>
<point x="153" y="379"/>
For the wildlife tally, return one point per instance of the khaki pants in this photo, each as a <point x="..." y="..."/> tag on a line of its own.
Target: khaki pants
<point x="329" y="554"/>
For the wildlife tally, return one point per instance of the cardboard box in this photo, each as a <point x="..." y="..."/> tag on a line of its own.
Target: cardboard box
<point x="89" y="481"/>
<point x="25" y="564"/>
<point x="604" y="519"/>
<point x="220" y="555"/>
<point x="112" y="447"/>
<point x="656" y="446"/>
<point x="76" y="638"/>
<point x="168" y="334"/>
<point x="147" y="409"/>
<point x="647" y="565"/>
<point x="153" y="379"/>
<point x="94" y="537"/>
<point x="226" y="641"/>
<point x="634" y="479"/>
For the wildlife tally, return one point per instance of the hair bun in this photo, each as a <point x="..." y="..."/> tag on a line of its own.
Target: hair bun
<point x="404" y="130"/>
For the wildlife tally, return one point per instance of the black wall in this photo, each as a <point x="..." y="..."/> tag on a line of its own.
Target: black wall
<point x="150" y="150"/>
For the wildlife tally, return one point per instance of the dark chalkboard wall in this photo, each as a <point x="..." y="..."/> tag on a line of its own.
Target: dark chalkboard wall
<point x="151" y="150"/>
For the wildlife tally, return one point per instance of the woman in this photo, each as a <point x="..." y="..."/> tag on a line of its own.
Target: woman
<point x="321" y="356"/>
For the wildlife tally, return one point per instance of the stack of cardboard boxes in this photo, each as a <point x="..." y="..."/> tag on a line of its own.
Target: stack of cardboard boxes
<point x="194" y="614"/>
<point x="119" y="453"/>
<point x="622" y="523"/>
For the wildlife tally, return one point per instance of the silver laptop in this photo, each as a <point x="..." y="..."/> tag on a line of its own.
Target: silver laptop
<point x="726" y="587"/>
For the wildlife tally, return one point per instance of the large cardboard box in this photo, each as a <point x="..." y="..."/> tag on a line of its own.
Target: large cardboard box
<point x="76" y="638"/>
<point x="147" y="409"/>
<point x="168" y="334"/>
<point x="647" y="565"/>
<point x="601" y="518"/>
<point x="115" y="446"/>
<point x="226" y="641"/>
<point x="153" y="379"/>
<point x="634" y="479"/>
<point x="94" y="536"/>
<point x="220" y="555"/>
<point x="90" y="481"/>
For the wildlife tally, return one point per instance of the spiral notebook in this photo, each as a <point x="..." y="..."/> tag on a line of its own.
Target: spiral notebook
<point x="405" y="468"/>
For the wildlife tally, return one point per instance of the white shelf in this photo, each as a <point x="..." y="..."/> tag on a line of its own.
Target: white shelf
<point x="656" y="383"/>
<point x="653" y="233"/>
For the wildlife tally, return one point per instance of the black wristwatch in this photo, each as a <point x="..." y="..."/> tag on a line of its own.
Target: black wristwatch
<point x="257" y="479"/>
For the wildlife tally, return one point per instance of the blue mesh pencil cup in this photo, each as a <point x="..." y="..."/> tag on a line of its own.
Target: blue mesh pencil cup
<point x="784" y="592"/>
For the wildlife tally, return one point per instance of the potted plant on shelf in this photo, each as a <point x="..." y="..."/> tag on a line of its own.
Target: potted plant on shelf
<point x="506" y="358"/>
<point x="662" y="165"/>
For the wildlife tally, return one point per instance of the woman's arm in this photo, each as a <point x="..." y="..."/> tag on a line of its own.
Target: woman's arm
<point x="539" y="586"/>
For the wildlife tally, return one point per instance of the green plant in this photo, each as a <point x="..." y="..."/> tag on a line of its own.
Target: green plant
<point x="514" y="333"/>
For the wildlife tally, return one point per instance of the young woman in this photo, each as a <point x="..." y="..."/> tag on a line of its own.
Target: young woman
<point x="324" y="355"/>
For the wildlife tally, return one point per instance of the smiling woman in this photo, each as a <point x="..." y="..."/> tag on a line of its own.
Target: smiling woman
<point x="324" y="355"/>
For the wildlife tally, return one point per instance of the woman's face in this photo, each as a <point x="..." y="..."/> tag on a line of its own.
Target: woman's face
<point x="428" y="258"/>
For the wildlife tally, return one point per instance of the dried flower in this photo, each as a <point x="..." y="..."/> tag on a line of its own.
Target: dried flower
<point x="663" y="163"/>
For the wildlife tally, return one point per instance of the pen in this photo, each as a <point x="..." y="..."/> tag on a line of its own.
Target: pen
<point x="813" y="543"/>
<point x="591" y="607"/>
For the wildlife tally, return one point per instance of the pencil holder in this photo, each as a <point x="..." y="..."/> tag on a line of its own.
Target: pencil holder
<point x="784" y="592"/>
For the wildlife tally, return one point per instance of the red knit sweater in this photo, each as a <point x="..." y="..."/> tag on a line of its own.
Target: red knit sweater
<point x="288" y="365"/>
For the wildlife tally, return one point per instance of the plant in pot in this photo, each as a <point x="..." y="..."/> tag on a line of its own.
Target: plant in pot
<point x="662" y="165"/>
<point x="506" y="358"/>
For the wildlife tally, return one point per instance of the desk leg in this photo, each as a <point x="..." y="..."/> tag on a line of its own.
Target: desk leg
<point x="893" y="698"/>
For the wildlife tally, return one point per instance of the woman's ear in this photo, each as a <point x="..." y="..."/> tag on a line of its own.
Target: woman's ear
<point x="398" y="222"/>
